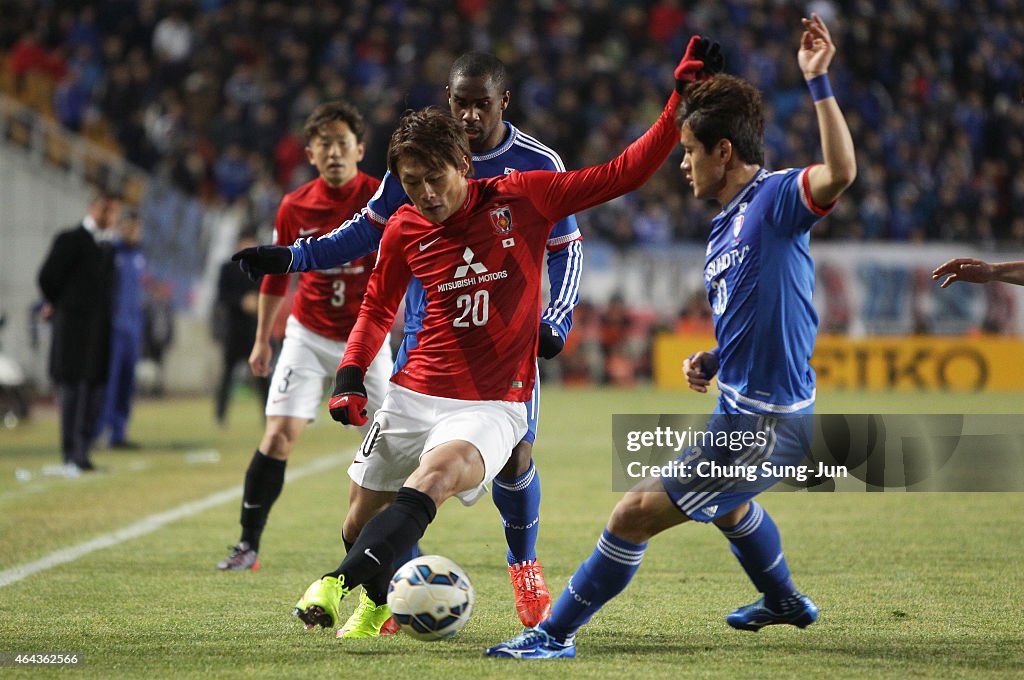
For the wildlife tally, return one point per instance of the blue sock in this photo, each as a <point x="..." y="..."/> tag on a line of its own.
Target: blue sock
<point x="601" y="577"/>
<point x="756" y="543"/>
<point x="411" y="554"/>
<point x="518" y="502"/>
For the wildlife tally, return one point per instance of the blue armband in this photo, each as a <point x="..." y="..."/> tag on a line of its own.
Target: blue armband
<point x="820" y="87"/>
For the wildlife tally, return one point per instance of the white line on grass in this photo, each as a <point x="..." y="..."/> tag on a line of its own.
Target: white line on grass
<point x="150" y="524"/>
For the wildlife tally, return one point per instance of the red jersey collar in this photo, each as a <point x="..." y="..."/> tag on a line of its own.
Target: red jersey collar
<point x="337" y="193"/>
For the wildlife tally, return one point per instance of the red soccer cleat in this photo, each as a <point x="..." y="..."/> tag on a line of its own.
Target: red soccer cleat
<point x="533" y="601"/>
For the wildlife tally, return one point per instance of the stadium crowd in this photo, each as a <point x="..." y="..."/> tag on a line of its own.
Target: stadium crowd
<point x="210" y="93"/>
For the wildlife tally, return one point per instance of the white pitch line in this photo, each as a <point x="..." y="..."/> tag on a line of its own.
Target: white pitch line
<point x="150" y="524"/>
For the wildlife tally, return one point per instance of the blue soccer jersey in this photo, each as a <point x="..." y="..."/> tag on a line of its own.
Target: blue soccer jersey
<point x="759" y="278"/>
<point x="361" y="235"/>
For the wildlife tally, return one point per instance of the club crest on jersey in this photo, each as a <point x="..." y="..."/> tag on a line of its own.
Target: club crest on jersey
<point x="501" y="219"/>
<point x="737" y="226"/>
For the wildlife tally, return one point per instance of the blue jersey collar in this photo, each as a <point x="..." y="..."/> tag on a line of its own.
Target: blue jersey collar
<point x="742" y="193"/>
<point x="510" y="137"/>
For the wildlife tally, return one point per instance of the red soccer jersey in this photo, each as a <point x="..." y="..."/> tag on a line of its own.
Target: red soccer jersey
<point x="481" y="272"/>
<point x="327" y="301"/>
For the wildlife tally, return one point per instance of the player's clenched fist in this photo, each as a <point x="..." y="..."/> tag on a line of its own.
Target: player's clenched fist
<point x="549" y="342"/>
<point x="699" y="369"/>
<point x="260" y="260"/>
<point x="348" y="401"/>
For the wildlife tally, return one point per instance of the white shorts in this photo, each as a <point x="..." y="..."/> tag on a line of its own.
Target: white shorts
<point x="409" y="424"/>
<point x="307" y="362"/>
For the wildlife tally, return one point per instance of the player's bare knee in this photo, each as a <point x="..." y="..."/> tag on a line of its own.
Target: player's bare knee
<point x="519" y="462"/>
<point x="277" y="444"/>
<point x="733" y="517"/>
<point x="435" y="481"/>
<point x="628" y="520"/>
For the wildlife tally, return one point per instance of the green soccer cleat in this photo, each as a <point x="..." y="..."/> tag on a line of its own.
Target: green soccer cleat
<point x="367" y="619"/>
<point x="319" y="605"/>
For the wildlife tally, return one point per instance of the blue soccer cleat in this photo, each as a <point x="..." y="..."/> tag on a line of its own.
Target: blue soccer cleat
<point x="756" y="616"/>
<point x="533" y="643"/>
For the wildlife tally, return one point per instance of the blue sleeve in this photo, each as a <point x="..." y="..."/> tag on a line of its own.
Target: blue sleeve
<point x="793" y="211"/>
<point x="356" y="237"/>
<point x="565" y="267"/>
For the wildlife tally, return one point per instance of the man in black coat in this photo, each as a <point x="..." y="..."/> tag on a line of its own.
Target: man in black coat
<point x="235" y="326"/>
<point x="77" y="280"/>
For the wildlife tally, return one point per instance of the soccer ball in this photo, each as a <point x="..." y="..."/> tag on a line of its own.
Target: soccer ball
<point x="430" y="597"/>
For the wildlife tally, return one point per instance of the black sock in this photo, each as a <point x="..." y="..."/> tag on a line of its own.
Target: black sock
<point x="377" y="587"/>
<point x="263" y="482"/>
<point x="392" y="532"/>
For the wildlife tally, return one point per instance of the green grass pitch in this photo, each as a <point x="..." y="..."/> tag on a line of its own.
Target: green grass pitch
<point x="909" y="585"/>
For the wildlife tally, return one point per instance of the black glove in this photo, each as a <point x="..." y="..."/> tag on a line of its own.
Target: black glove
<point x="260" y="260"/>
<point x="348" y="401"/>
<point x="550" y="342"/>
<point x="702" y="60"/>
<point x="714" y="61"/>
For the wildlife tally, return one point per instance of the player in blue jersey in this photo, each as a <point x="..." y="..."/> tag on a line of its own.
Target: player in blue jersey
<point x="478" y="95"/>
<point x="759" y="277"/>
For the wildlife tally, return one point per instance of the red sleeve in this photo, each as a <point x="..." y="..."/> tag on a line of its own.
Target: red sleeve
<point x="277" y="284"/>
<point x="387" y="285"/>
<point x="560" y="194"/>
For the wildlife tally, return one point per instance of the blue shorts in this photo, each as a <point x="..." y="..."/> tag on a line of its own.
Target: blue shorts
<point x="532" y="406"/>
<point x="749" y="456"/>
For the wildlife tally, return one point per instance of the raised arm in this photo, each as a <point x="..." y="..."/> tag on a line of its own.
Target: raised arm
<point x="557" y="195"/>
<point x="828" y="181"/>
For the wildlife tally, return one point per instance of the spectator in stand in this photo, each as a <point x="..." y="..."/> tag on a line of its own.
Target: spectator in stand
<point x="944" y="113"/>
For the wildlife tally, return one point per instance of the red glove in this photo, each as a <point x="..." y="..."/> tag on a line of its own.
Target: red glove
<point x="703" y="59"/>
<point x="348" y="401"/>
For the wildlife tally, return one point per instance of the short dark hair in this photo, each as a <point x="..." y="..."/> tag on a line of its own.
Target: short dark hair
<point x="725" y="107"/>
<point x="103" y="193"/>
<point x="329" y="112"/>
<point x="432" y="137"/>
<point x="480" y="65"/>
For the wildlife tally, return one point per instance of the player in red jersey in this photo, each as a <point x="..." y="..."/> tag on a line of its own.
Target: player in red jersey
<point x="453" y="413"/>
<point x="323" y="312"/>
